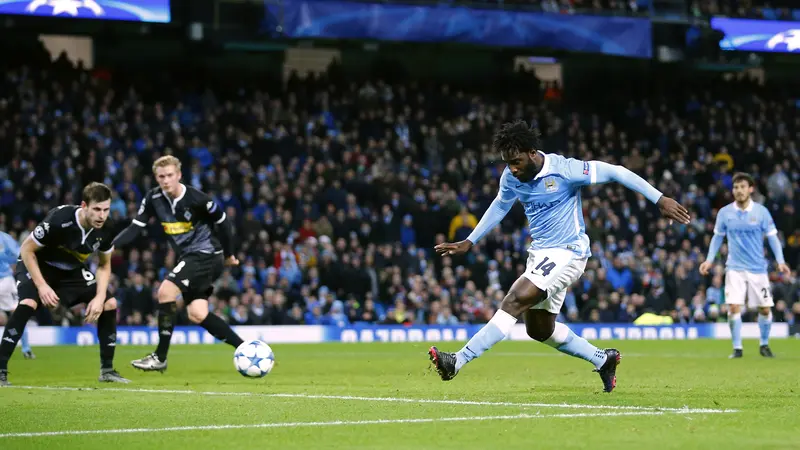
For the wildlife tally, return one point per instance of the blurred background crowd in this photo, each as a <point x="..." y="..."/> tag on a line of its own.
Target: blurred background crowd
<point x="340" y="187"/>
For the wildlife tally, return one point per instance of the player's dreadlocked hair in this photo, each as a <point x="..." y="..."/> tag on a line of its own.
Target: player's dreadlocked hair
<point x="516" y="137"/>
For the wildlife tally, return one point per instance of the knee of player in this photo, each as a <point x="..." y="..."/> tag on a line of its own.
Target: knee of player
<point x="110" y="305"/>
<point x="167" y="292"/>
<point x="29" y="302"/>
<point x="196" y="315"/>
<point x="540" y="334"/>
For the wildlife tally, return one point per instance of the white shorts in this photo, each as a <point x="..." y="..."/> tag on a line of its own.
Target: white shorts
<point x="752" y="286"/>
<point x="8" y="294"/>
<point x="553" y="270"/>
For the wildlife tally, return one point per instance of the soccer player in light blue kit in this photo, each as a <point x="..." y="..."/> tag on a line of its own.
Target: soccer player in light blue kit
<point x="9" y="251"/>
<point x="549" y="188"/>
<point x="746" y="223"/>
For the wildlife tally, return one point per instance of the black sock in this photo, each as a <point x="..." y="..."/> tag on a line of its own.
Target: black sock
<point x="221" y="330"/>
<point x="107" y="336"/>
<point x="166" y="323"/>
<point x="13" y="332"/>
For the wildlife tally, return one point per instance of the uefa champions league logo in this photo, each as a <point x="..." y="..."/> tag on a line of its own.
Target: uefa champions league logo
<point x="791" y="38"/>
<point x="70" y="7"/>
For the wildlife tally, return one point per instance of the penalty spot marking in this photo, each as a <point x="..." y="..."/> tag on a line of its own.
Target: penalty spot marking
<point x="327" y="424"/>
<point x="685" y="410"/>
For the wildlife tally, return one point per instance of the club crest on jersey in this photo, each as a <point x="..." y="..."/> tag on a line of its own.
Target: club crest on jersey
<point x="753" y="220"/>
<point x="550" y="185"/>
<point x="187" y="215"/>
<point x="95" y="246"/>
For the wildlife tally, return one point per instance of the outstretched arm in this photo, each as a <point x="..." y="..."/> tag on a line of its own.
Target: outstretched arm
<point x="138" y="223"/>
<point x="500" y="206"/>
<point x="127" y="235"/>
<point x="490" y="219"/>
<point x="604" y="173"/>
<point x="600" y="172"/>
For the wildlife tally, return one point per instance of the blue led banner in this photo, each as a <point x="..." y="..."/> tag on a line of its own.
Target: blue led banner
<point x="622" y="36"/>
<point x="314" y="334"/>
<point x="758" y="35"/>
<point x="129" y="10"/>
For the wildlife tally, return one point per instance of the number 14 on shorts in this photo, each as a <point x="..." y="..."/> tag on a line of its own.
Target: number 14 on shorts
<point x="544" y="266"/>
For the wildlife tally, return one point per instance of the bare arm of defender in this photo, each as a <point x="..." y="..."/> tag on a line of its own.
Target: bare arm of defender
<point x="103" y="276"/>
<point x="28" y="254"/>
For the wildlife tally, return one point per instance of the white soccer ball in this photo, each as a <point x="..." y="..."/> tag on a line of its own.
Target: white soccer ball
<point x="254" y="359"/>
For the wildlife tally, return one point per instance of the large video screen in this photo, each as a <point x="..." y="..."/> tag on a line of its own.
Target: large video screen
<point x="156" y="11"/>
<point x="758" y="35"/>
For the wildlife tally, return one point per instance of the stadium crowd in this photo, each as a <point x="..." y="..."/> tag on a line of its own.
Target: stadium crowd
<point x="340" y="188"/>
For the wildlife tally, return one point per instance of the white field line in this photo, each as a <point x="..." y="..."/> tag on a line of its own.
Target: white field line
<point x="326" y="424"/>
<point x="685" y="409"/>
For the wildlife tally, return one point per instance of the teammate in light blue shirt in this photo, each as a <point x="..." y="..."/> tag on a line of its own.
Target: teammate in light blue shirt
<point x="9" y="252"/>
<point x="746" y="223"/>
<point x="549" y="188"/>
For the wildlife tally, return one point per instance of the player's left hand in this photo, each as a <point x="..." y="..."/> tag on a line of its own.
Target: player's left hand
<point x="231" y="261"/>
<point x="94" y="309"/>
<point x="673" y="210"/>
<point x="784" y="268"/>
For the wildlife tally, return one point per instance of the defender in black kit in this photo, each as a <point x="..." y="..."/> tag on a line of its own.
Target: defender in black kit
<point x="52" y="270"/>
<point x="203" y="239"/>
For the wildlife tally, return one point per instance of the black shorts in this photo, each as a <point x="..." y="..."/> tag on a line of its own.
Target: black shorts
<point x="71" y="286"/>
<point x="195" y="275"/>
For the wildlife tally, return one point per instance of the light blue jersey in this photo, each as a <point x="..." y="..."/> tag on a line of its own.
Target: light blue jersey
<point x="552" y="201"/>
<point x="9" y="251"/>
<point x="745" y="230"/>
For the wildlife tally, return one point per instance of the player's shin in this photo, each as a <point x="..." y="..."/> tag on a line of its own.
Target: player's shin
<point x="166" y="324"/>
<point x="491" y="333"/>
<point x="764" y="326"/>
<point x="221" y="330"/>
<point x="13" y="332"/>
<point x="735" y="323"/>
<point x="107" y="336"/>
<point x="565" y="341"/>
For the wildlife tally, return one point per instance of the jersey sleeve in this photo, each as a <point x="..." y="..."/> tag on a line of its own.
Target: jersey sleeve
<point x="768" y="224"/>
<point x="580" y="173"/>
<point x="106" y="245"/>
<point x="48" y="230"/>
<point x="720" y="228"/>
<point x="145" y="211"/>
<point x="211" y="208"/>
<point x="506" y="194"/>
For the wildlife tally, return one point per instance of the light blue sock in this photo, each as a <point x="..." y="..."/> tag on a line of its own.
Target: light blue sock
<point x="26" y="346"/>
<point x="491" y="333"/>
<point x="735" y="322"/>
<point x="764" y="324"/>
<point x="565" y="341"/>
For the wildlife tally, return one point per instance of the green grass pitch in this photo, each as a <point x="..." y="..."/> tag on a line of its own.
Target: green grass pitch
<point x="670" y="395"/>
